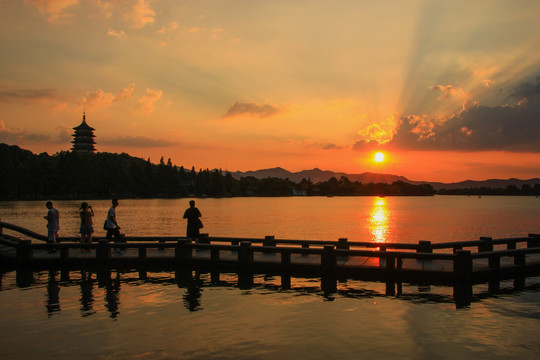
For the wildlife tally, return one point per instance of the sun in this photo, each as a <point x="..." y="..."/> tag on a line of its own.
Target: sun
<point x="379" y="157"/>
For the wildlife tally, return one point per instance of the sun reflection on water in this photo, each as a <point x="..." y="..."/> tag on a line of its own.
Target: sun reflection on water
<point x="379" y="220"/>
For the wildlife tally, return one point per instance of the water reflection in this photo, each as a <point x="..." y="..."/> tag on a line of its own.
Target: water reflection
<point x="379" y="220"/>
<point x="53" y="294"/>
<point x="112" y="296"/>
<point x="330" y="288"/>
<point x="193" y="285"/>
<point x="87" y="296"/>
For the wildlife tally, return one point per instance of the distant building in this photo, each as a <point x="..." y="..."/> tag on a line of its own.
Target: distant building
<point x="83" y="138"/>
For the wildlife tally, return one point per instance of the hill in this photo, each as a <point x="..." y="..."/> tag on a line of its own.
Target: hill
<point x="317" y="175"/>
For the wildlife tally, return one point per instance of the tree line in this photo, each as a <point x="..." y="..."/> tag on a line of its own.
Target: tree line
<point x="71" y="175"/>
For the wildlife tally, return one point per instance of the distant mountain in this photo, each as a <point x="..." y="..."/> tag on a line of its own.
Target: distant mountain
<point x="317" y="175"/>
<point x="491" y="183"/>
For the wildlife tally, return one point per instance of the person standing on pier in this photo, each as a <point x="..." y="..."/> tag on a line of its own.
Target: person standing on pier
<point x="192" y="214"/>
<point x="86" y="213"/>
<point x="53" y="224"/>
<point x="112" y="226"/>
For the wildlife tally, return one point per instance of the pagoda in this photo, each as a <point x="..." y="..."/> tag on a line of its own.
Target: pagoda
<point x="83" y="138"/>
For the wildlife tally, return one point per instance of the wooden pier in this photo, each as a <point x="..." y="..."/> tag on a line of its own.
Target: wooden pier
<point x="458" y="264"/>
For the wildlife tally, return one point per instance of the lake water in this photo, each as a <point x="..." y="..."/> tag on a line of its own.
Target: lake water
<point x="73" y="315"/>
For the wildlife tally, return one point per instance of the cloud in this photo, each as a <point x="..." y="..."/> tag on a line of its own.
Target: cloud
<point x="142" y="14"/>
<point x="146" y="103"/>
<point x="53" y="9"/>
<point x="27" y="95"/>
<point x="324" y="146"/>
<point x="363" y="145"/>
<point x="138" y="141"/>
<point x="100" y="99"/>
<point x="117" y="34"/>
<point x="527" y="91"/>
<point x="125" y="93"/>
<point x="253" y="109"/>
<point x="478" y="128"/>
<point x="447" y="91"/>
<point x="64" y="134"/>
<point x="97" y="99"/>
<point x="18" y="135"/>
<point x="168" y="29"/>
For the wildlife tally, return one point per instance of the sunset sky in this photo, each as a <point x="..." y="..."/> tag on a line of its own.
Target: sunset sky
<point x="447" y="90"/>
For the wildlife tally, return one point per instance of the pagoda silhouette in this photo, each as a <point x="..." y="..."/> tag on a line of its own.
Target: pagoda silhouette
<point x="83" y="138"/>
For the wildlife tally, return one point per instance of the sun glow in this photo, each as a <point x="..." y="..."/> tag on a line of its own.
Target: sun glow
<point x="379" y="157"/>
<point x="379" y="220"/>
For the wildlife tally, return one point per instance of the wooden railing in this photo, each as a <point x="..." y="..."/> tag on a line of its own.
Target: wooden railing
<point x="391" y="255"/>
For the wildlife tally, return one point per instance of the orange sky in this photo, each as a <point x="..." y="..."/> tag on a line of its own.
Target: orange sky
<point x="449" y="90"/>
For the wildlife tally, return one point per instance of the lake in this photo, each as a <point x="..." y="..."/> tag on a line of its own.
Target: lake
<point x="75" y="315"/>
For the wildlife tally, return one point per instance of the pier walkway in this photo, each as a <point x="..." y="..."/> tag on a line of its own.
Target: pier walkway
<point x="474" y="262"/>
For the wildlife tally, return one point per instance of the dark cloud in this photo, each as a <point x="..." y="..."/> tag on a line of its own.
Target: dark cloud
<point x="137" y="141"/>
<point x="238" y="108"/>
<point x="527" y="91"/>
<point x="18" y="135"/>
<point x="326" y="146"/>
<point x="477" y="128"/>
<point x="64" y="134"/>
<point x="365" y="145"/>
<point x="14" y="95"/>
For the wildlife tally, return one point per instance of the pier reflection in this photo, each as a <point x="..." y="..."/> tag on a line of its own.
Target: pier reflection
<point x="379" y="217"/>
<point x="87" y="296"/>
<point x="192" y="284"/>
<point x="53" y="294"/>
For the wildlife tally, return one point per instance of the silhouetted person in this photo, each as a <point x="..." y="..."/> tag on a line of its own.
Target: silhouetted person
<point x="53" y="224"/>
<point x="86" y="213"/>
<point x="113" y="230"/>
<point x="192" y="214"/>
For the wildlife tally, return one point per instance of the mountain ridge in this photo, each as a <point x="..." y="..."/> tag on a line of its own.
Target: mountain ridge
<point x="317" y="175"/>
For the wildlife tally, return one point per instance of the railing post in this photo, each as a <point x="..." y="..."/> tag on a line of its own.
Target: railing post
<point x="214" y="254"/>
<point x="142" y="253"/>
<point x="511" y="245"/>
<point x="204" y="239"/>
<point x="103" y="251"/>
<point x="328" y="259"/>
<point x="305" y="245"/>
<point x="285" y="260"/>
<point x="463" y="266"/>
<point x="390" y="262"/>
<point x="64" y="253"/>
<point x="269" y="240"/>
<point x="182" y="252"/>
<point x="486" y="244"/>
<point x="424" y="246"/>
<point x="519" y="259"/>
<point x="1" y="227"/>
<point x="534" y="240"/>
<point x="494" y="268"/>
<point x="463" y="278"/>
<point x="245" y="254"/>
<point x="343" y="244"/>
<point x="214" y="264"/>
<point x="519" y="263"/>
<point x="24" y="251"/>
<point x="494" y="262"/>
